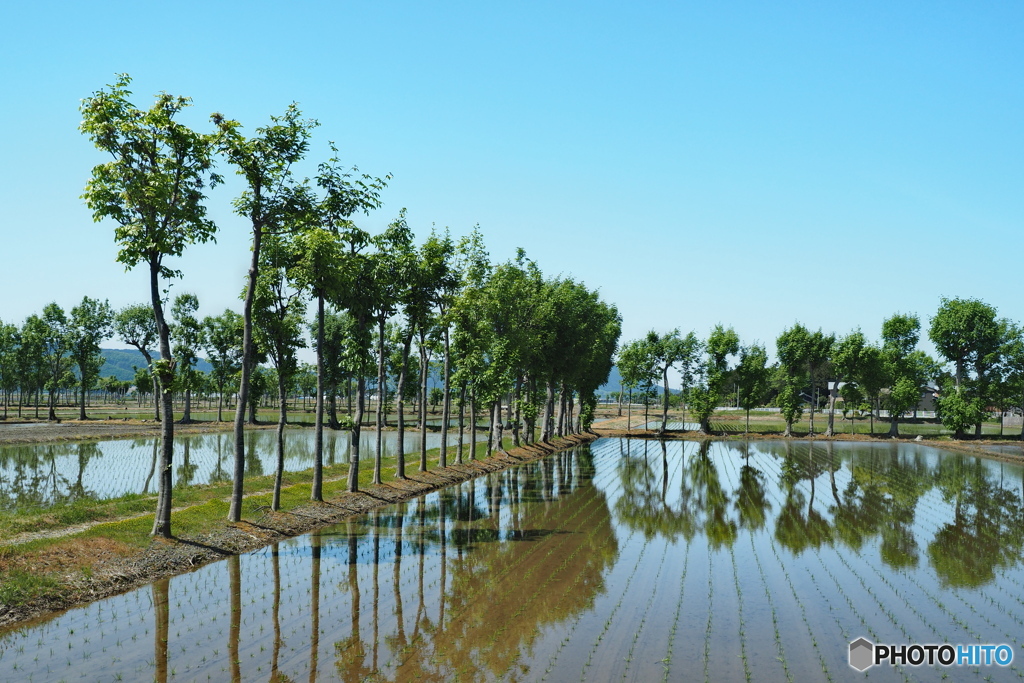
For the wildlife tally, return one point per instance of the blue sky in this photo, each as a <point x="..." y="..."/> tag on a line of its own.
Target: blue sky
<point x="752" y="164"/>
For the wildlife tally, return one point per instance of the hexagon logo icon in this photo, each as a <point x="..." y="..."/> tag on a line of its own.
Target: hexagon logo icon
<point x="862" y="654"/>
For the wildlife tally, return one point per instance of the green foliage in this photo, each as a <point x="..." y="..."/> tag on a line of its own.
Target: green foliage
<point x="636" y="364"/>
<point x="154" y="186"/>
<point x="957" y="409"/>
<point x="704" y="398"/>
<point x="436" y="396"/>
<point x="753" y="376"/>
<point x="188" y="337"/>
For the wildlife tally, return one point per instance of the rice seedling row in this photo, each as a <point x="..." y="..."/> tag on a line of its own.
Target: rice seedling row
<point x="779" y="648"/>
<point x="747" y="673"/>
<point x="611" y="615"/>
<point x="667" y="660"/>
<point x="839" y="586"/>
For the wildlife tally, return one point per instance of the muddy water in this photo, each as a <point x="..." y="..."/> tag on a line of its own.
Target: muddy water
<point x="41" y="475"/>
<point x="621" y="561"/>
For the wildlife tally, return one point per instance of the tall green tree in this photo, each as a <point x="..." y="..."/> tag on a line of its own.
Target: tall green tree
<point x="819" y="351"/>
<point x="705" y="397"/>
<point x="345" y="193"/>
<point x="273" y="202"/>
<point x="871" y="377"/>
<point x="31" y="354"/>
<point x="390" y="265"/>
<point x="10" y="340"/>
<point x="153" y="189"/>
<point x="222" y="341"/>
<point x="187" y="332"/>
<point x="752" y="378"/>
<point x="441" y="270"/>
<point x="847" y="356"/>
<point x="967" y="333"/>
<point x="320" y="267"/>
<point x="906" y="367"/>
<point x="637" y="368"/>
<point x="278" y="309"/>
<point x="56" y="350"/>
<point x="91" y="323"/>
<point x="468" y="337"/>
<point x="135" y="324"/>
<point x="793" y="349"/>
<point x="667" y="351"/>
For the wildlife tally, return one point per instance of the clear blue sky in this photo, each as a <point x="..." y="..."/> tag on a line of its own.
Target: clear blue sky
<point x="746" y="163"/>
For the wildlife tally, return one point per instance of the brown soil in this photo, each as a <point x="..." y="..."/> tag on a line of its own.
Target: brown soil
<point x="112" y="568"/>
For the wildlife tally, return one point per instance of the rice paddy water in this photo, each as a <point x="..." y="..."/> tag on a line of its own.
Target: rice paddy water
<point x="37" y="476"/>
<point x="623" y="560"/>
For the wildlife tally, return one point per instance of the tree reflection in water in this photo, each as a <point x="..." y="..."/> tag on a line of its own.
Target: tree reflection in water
<point x="494" y="578"/>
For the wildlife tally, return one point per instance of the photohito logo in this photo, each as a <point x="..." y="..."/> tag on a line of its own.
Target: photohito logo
<point x="864" y="654"/>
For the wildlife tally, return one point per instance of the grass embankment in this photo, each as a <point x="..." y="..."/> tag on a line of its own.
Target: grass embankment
<point x="114" y="551"/>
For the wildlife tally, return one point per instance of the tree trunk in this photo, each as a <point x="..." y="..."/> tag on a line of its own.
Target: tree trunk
<point x="248" y="361"/>
<point x="423" y="403"/>
<point x="515" y="419"/>
<point x="549" y="400"/>
<point x="446" y="401"/>
<point x="400" y="400"/>
<point x="560" y="420"/>
<point x="664" y="409"/>
<point x="494" y="440"/>
<point x="332" y="407"/>
<point x="353" y="470"/>
<point x="165" y="376"/>
<point x="220" y="401"/>
<point x="381" y="389"/>
<point x="186" y="413"/>
<point x="282" y="420"/>
<point x="810" y="431"/>
<point x="833" y="394"/>
<point x="317" y="488"/>
<point x="629" y="411"/>
<point x="472" y="425"/>
<point x="81" y="405"/>
<point x="462" y="421"/>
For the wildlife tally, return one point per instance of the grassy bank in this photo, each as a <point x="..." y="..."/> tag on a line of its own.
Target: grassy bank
<point x="113" y="552"/>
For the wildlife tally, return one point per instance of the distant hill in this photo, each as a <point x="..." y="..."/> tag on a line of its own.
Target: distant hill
<point x="119" y="363"/>
<point x="613" y="382"/>
<point x="612" y="385"/>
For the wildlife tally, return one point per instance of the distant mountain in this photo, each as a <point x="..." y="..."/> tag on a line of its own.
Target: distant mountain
<point x="612" y="385"/>
<point x="119" y="363"/>
<point x="613" y="382"/>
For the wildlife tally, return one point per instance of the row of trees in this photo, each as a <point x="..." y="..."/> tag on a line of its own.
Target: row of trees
<point x="510" y="337"/>
<point x="47" y="351"/>
<point x="981" y="368"/>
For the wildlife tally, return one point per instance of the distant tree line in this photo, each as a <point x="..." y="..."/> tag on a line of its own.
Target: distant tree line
<point x="980" y="369"/>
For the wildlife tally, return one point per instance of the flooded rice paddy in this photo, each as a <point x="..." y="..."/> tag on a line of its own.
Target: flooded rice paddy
<point x="624" y="560"/>
<point x="34" y="476"/>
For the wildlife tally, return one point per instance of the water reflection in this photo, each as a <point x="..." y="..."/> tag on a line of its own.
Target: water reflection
<point x="576" y="565"/>
<point x="986" y="532"/>
<point x="43" y="475"/>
